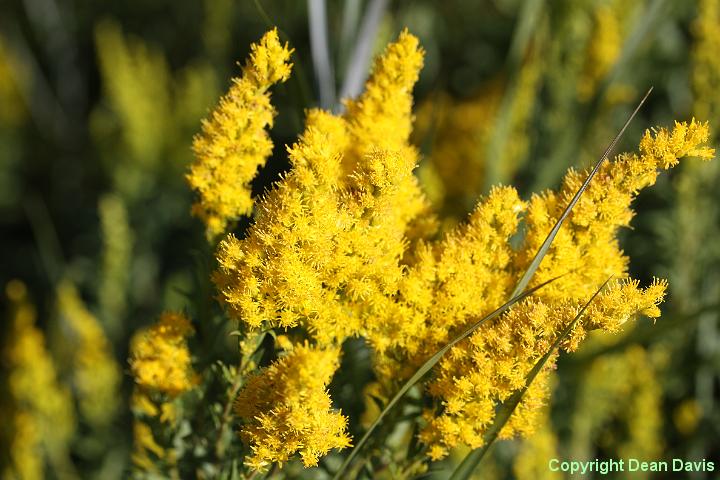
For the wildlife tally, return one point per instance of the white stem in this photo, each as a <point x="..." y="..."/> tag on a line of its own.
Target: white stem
<point x="357" y="68"/>
<point x="322" y="64"/>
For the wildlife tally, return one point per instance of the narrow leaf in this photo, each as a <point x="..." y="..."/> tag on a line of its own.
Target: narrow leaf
<point x="530" y="15"/>
<point x="527" y="276"/>
<point x="468" y="465"/>
<point x="356" y="69"/>
<point x="320" y="49"/>
<point x="425" y="368"/>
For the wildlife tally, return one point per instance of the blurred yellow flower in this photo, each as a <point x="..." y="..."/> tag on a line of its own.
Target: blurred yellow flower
<point x="96" y="374"/>
<point x="686" y="416"/>
<point x="159" y="356"/>
<point x="40" y="409"/>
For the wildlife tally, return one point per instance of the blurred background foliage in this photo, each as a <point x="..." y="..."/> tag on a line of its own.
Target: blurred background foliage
<point x="98" y="106"/>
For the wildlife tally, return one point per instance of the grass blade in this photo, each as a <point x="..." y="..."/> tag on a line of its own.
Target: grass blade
<point x="356" y="69"/>
<point x="529" y="17"/>
<point x="468" y="465"/>
<point x="470" y="462"/>
<point x="527" y="276"/>
<point x="425" y="368"/>
<point x="515" y="297"/>
<point x="320" y="49"/>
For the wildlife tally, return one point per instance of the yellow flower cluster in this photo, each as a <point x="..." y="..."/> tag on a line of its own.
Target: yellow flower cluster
<point x="144" y="444"/>
<point x="234" y="143"/>
<point x="706" y="65"/>
<point x="159" y="356"/>
<point x="161" y="364"/>
<point x="326" y="246"/>
<point x="620" y="389"/>
<point x="586" y="246"/>
<point x="117" y="238"/>
<point x="457" y="134"/>
<point x="494" y="361"/>
<point x="323" y="235"/>
<point x="288" y="409"/>
<point x="39" y="410"/>
<point x="380" y="118"/>
<point x="687" y="416"/>
<point x="135" y="78"/>
<point x="96" y="375"/>
<point x="343" y="246"/>
<point x="604" y="47"/>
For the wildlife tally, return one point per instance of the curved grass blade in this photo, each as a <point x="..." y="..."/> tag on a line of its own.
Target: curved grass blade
<point x="523" y="283"/>
<point x="426" y="367"/>
<point x="468" y="465"/>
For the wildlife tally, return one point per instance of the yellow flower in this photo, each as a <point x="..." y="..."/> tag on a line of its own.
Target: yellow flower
<point x="604" y="47"/>
<point x="486" y="368"/>
<point x="325" y="249"/>
<point x="287" y="409"/>
<point x="381" y="117"/>
<point x="96" y="374"/>
<point x="144" y="444"/>
<point x="687" y="416"/>
<point x="234" y="142"/>
<point x="41" y="409"/>
<point x="117" y="238"/>
<point x="159" y="356"/>
<point x="25" y="448"/>
<point x="136" y="80"/>
<point x="706" y="65"/>
<point x="620" y="389"/>
<point x="342" y="247"/>
<point x="586" y="246"/>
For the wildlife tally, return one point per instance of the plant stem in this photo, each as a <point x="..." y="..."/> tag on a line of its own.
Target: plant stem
<point x="225" y="419"/>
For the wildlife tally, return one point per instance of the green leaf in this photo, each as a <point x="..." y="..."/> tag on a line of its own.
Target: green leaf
<point x="527" y="276"/>
<point x="470" y="462"/>
<point x="426" y="367"/>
